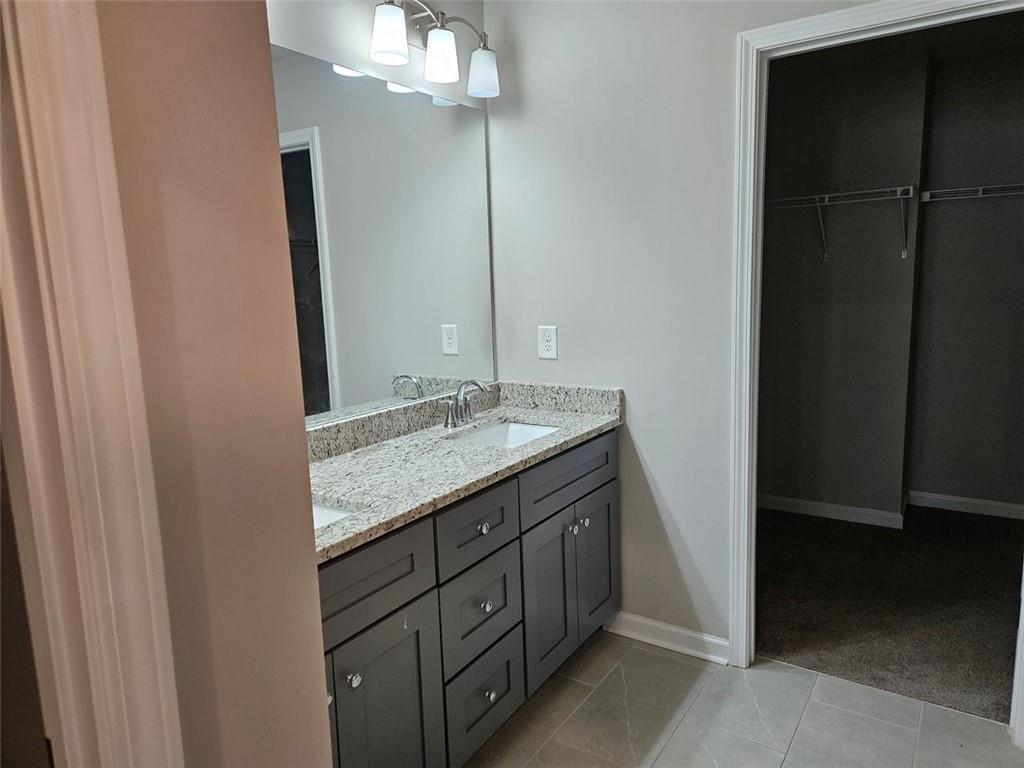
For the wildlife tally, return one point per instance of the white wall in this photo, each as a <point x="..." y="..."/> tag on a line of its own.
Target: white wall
<point x="406" y="211"/>
<point x="612" y="183"/>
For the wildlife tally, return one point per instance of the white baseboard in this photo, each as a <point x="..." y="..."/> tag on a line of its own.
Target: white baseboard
<point x="670" y="637"/>
<point x="834" y="511"/>
<point x="965" y="504"/>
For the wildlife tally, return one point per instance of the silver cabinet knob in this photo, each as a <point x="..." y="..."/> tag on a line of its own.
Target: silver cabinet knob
<point x="574" y="529"/>
<point x="330" y="698"/>
<point x="354" y="680"/>
<point x="487" y="606"/>
<point x="586" y="522"/>
<point x="484" y="528"/>
<point x="491" y="696"/>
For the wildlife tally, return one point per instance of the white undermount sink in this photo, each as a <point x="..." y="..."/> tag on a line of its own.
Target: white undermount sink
<point x="325" y="516"/>
<point x="507" y="435"/>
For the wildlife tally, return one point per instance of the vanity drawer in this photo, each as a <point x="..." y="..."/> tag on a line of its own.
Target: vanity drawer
<point x="472" y="715"/>
<point x="558" y="482"/>
<point x="358" y="589"/>
<point x="480" y="606"/>
<point x="471" y="529"/>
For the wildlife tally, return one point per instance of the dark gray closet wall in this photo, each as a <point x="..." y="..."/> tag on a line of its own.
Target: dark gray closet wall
<point x="835" y="335"/>
<point x="881" y="375"/>
<point x="966" y="429"/>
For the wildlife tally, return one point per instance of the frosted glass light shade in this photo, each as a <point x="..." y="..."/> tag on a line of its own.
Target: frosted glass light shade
<point x="483" y="74"/>
<point x="345" y="71"/>
<point x="442" y="62"/>
<point x="389" y="44"/>
<point x="396" y="88"/>
<point x="439" y="102"/>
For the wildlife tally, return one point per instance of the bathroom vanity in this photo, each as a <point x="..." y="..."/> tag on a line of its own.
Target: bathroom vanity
<point x="467" y="544"/>
<point x="467" y="582"/>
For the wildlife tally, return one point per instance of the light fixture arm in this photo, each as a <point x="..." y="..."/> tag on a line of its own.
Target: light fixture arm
<point x="426" y="12"/>
<point x="482" y="36"/>
<point x="440" y="19"/>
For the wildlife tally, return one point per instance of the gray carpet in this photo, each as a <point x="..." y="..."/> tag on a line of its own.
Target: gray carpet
<point x="930" y="611"/>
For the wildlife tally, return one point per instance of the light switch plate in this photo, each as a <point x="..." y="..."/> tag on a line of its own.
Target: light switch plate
<point x="449" y="339"/>
<point x="547" y="342"/>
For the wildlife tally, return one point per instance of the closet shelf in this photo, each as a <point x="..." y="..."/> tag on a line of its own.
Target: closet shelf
<point x="839" y="198"/>
<point x="969" y="193"/>
<point x="901" y="194"/>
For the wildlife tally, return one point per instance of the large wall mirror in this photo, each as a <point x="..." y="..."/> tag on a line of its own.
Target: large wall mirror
<point x="386" y="198"/>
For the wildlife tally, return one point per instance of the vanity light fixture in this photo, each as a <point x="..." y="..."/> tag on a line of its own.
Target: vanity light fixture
<point x="442" y="61"/>
<point x="396" y="88"/>
<point x="346" y="72"/>
<point x="389" y="45"/>
<point x="483" y="72"/>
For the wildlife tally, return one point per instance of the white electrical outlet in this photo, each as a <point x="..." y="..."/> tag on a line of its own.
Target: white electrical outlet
<point x="449" y="339"/>
<point x="547" y="342"/>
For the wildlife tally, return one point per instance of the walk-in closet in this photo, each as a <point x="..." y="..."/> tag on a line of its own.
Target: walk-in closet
<point x="891" y="397"/>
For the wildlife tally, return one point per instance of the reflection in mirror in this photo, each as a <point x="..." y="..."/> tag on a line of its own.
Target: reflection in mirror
<point x="386" y="199"/>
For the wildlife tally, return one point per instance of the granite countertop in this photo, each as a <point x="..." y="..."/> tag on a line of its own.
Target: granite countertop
<point x="387" y="485"/>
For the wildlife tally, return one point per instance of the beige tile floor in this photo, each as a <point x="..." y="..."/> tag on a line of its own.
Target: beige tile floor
<point x="624" y="704"/>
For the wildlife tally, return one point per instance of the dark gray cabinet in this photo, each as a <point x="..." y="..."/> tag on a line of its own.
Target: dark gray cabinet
<point x="471" y="529"/>
<point x="549" y="596"/>
<point x="598" y="575"/>
<point x="561" y="480"/>
<point x="436" y="633"/>
<point x="371" y="582"/>
<point x="572" y="582"/>
<point x="480" y="606"/>
<point x="388" y="691"/>
<point x="332" y="716"/>
<point x="483" y="696"/>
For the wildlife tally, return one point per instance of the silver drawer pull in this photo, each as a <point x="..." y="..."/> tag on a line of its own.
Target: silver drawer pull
<point x="487" y="606"/>
<point x="330" y="698"/>
<point x="574" y="529"/>
<point x="586" y="522"/>
<point x="484" y="528"/>
<point x="354" y="680"/>
<point x="491" y="696"/>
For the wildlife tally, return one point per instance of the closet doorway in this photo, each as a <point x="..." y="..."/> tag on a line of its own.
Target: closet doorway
<point x="890" y="450"/>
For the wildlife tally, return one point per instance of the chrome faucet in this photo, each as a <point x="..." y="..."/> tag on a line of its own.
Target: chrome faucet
<point x="412" y="379"/>
<point x="463" y="410"/>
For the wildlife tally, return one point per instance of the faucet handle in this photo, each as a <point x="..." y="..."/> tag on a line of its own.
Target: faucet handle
<point x="450" y="422"/>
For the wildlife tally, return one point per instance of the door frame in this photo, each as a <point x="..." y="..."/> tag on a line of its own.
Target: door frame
<point x="75" y="432"/>
<point x="296" y="141"/>
<point x="755" y="49"/>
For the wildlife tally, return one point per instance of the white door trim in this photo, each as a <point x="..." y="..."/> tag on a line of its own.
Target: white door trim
<point x="755" y="49"/>
<point x="75" y="429"/>
<point x="293" y="141"/>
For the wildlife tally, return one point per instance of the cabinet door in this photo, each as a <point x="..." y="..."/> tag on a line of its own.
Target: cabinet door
<point x="388" y="691"/>
<point x="598" y="571"/>
<point x="332" y="716"/>
<point x="549" y="597"/>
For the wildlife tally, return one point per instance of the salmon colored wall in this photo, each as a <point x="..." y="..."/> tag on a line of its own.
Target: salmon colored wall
<point x="191" y="101"/>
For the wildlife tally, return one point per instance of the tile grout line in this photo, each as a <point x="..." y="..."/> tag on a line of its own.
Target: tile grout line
<point x="917" y="738"/>
<point x="883" y="690"/>
<point x="634" y="645"/>
<point x="868" y="717"/>
<point x="583" y="701"/>
<point x="803" y="712"/>
<point x="704" y="687"/>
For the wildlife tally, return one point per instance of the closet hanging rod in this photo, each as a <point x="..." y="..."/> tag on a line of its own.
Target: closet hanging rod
<point x="840" y="198"/>
<point x="967" y="193"/>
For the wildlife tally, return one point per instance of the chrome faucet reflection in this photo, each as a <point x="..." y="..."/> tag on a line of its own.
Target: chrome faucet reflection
<point x="412" y="380"/>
